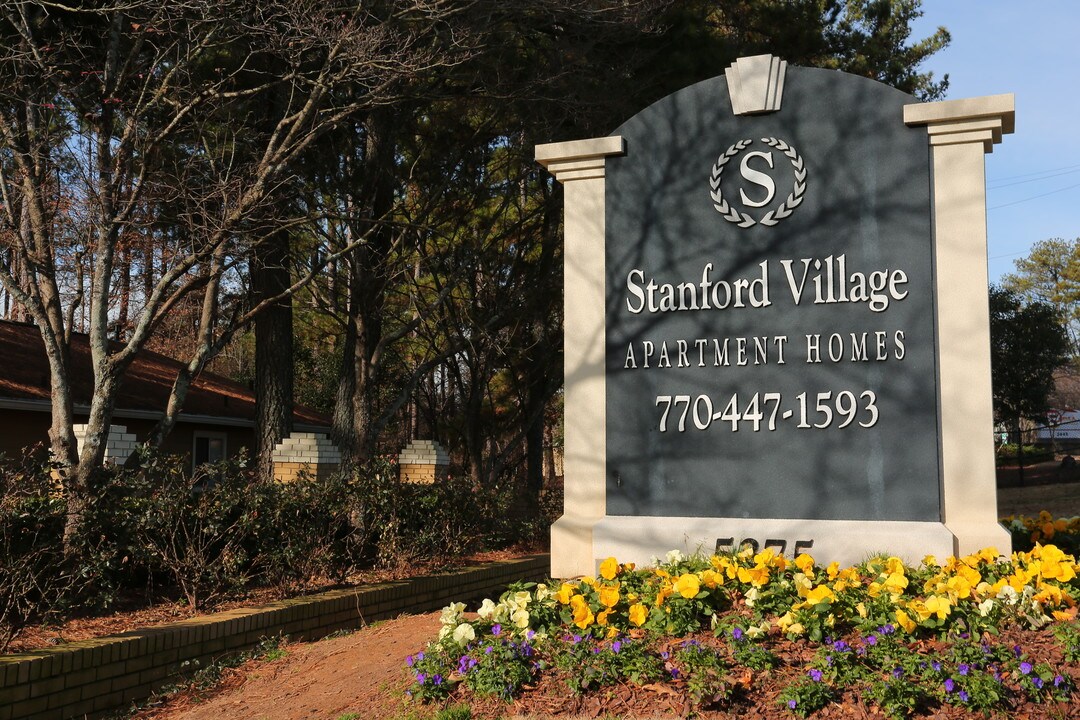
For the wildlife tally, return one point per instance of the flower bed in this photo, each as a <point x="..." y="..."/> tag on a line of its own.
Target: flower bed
<point x="975" y="635"/>
<point x="1044" y="528"/>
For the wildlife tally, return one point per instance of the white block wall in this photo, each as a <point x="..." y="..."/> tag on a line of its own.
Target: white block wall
<point x="424" y="452"/>
<point x="310" y="448"/>
<point x="119" y="445"/>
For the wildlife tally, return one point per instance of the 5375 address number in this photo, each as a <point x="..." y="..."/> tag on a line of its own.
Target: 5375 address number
<point x="762" y="412"/>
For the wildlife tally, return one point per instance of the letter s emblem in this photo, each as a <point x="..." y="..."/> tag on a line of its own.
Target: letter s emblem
<point x="758" y="178"/>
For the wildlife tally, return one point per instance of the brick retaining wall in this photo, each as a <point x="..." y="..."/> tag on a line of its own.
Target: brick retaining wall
<point x="92" y="678"/>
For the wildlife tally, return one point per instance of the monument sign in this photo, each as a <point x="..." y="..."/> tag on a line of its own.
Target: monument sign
<point x="776" y="323"/>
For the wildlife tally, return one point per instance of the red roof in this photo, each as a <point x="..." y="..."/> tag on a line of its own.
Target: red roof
<point x="24" y="375"/>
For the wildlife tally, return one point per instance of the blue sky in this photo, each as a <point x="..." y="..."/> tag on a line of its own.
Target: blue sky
<point x="1031" y="49"/>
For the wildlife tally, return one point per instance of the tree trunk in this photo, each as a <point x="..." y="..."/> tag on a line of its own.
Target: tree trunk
<point x="270" y="276"/>
<point x="368" y="277"/>
<point x="1020" y="452"/>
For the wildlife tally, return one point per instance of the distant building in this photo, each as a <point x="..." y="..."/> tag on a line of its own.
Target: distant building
<point x="217" y="420"/>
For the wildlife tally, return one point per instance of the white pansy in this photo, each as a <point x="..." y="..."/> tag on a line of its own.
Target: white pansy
<point x="756" y="631"/>
<point x="520" y="618"/>
<point x="486" y="610"/>
<point x="986" y="607"/>
<point x="802" y="583"/>
<point x="451" y="613"/>
<point x="751" y="596"/>
<point x="522" y="598"/>
<point x="464" y="634"/>
<point x="445" y="631"/>
<point x="674" y="556"/>
<point x="543" y="592"/>
<point x="1008" y="594"/>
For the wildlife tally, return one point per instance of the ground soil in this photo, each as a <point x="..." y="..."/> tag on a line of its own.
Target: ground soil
<point x="361" y="673"/>
<point x="1050" y="485"/>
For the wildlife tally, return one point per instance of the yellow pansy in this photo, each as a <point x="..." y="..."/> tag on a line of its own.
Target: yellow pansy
<point x="662" y="594"/>
<point x="711" y="578"/>
<point x="938" y="605"/>
<point x="764" y="557"/>
<point x="896" y="583"/>
<point x="609" y="595"/>
<point x="602" y="616"/>
<point x="1049" y="595"/>
<point x="846" y="578"/>
<point x="566" y="591"/>
<point x="833" y="570"/>
<point x="756" y="576"/>
<point x="919" y="608"/>
<point x="583" y="615"/>
<point x="958" y="588"/>
<point x="970" y="574"/>
<point x="820" y="594"/>
<point x="1065" y="615"/>
<point x="688" y="585"/>
<point x="638" y="614"/>
<point x="588" y="580"/>
<point x="904" y="621"/>
<point x="1055" y="564"/>
<point x="805" y="563"/>
<point x="609" y="569"/>
<point x="725" y="566"/>
<point x="1019" y="579"/>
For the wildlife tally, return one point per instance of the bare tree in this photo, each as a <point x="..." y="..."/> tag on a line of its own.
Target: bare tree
<point x="110" y="109"/>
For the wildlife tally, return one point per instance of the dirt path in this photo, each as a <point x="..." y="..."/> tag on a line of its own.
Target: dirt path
<point x="359" y="673"/>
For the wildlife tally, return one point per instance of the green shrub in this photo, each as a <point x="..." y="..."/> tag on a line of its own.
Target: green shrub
<point x="1008" y="453"/>
<point x="302" y="530"/>
<point x="35" y="581"/>
<point x="196" y="528"/>
<point x="395" y="524"/>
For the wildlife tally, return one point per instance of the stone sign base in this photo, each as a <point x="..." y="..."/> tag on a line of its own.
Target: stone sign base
<point x="848" y="542"/>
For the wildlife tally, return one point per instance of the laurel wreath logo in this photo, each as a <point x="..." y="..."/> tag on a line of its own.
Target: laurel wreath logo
<point x="772" y="217"/>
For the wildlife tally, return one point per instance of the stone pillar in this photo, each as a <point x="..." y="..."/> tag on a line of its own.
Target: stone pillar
<point x="960" y="133"/>
<point x="424" y="462"/>
<point x="579" y="166"/>
<point x="305" y="453"/>
<point x="118" y="446"/>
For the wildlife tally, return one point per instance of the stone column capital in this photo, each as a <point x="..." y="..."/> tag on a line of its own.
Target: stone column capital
<point x="579" y="159"/>
<point x="970" y="120"/>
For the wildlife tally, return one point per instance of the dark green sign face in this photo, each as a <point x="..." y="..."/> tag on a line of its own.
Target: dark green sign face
<point x="770" y="333"/>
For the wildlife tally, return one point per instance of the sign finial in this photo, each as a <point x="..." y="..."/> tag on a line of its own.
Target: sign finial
<point x="756" y="84"/>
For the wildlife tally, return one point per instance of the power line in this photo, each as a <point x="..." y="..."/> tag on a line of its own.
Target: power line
<point x="1035" y="197"/>
<point x="992" y="186"/>
<point x="1040" y="172"/>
